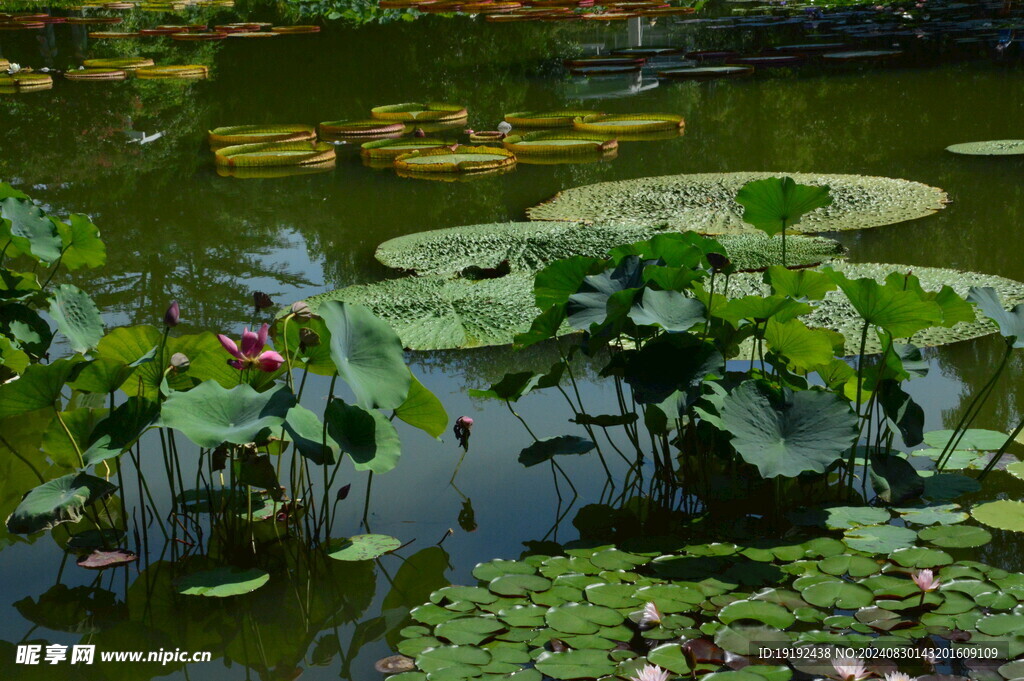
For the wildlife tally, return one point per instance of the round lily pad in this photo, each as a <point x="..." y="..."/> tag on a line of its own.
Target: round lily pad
<point x="765" y="612"/>
<point x="1002" y="515"/>
<point x="706" y="203"/>
<point x="222" y="582"/>
<point x="955" y="536"/>
<point x="838" y="593"/>
<point x="364" y="547"/>
<point x="579" y="618"/>
<point x="879" y="538"/>
<point x="518" y="585"/>
<point x="468" y="630"/>
<point x="989" y="148"/>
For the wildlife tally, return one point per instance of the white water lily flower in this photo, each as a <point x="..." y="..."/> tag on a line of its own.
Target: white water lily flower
<point x="651" y="672"/>
<point x="850" y="669"/>
<point x="13" y="68"/>
<point x="650" y="616"/>
<point x="898" y="676"/>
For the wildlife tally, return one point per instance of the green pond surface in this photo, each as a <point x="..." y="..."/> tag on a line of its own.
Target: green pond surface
<point x="175" y="229"/>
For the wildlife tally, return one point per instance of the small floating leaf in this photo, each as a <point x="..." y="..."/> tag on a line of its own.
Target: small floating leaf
<point x="222" y="582"/>
<point x="364" y="547"/>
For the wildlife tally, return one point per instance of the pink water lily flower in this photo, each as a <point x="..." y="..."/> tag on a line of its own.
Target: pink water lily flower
<point x="252" y="356"/>
<point x="926" y="580"/>
<point x="850" y="669"/>
<point x="651" y="672"/>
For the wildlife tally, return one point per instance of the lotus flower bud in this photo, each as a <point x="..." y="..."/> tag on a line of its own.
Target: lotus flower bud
<point x="462" y="427"/>
<point x="308" y="338"/>
<point x="300" y="309"/>
<point x="180" y="362"/>
<point x="173" y="315"/>
<point x="261" y="300"/>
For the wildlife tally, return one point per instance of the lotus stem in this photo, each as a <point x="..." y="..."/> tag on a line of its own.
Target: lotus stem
<point x="975" y="405"/>
<point x="990" y="466"/>
<point x="71" y="438"/>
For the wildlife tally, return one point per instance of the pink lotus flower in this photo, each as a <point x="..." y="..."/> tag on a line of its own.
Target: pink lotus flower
<point x="252" y="356"/>
<point x="651" y="672"/>
<point x="926" y="580"/>
<point x="463" y="426"/>
<point x="650" y="617"/>
<point x="850" y="669"/>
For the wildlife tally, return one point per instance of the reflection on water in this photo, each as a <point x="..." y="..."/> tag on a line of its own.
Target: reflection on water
<point x="175" y="228"/>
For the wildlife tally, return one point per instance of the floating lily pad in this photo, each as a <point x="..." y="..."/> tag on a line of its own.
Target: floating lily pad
<point x="361" y="128"/>
<point x="706" y="203"/>
<point x="173" y="72"/>
<point x="558" y="143"/>
<point x="575" y="664"/>
<point x="275" y="154"/>
<point x="765" y="612"/>
<point x="468" y="630"/>
<point x="101" y="559"/>
<point x="388" y="149"/>
<point x="613" y="124"/>
<point x="458" y="159"/>
<point x="989" y="148"/>
<point x="955" y="536"/>
<point x="1002" y="515"/>
<point x="222" y="582"/>
<point x="879" y="538"/>
<point x="545" y="119"/>
<point x="529" y="246"/>
<point x="364" y="547"/>
<point x="430" y="111"/>
<point x="706" y="72"/>
<point x="255" y="134"/>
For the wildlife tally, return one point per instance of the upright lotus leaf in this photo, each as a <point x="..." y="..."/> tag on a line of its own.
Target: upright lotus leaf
<point x="81" y="242"/>
<point x="38" y="387"/>
<point x="64" y="439"/>
<point x="894" y="478"/>
<point x="760" y="308"/>
<point x="546" y="325"/>
<point x="306" y="432"/>
<point x="954" y="308"/>
<point x="510" y="388"/>
<point x="902" y="413"/>
<point x="786" y="433"/>
<point x="102" y="375"/>
<point x="365" y="435"/>
<point x="1010" y="322"/>
<point x="314" y="358"/>
<point x="222" y="582"/>
<point x="802" y="348"/>
<point x="667" y="364"/>
<point x="589" y="304"/>
<point x="367" y="354"/>
<point x="670" y="310"/>
<point x="899" y="311"/>
<point x="801" y="284"/>
<point x="210" y="414"/>
<point x="31" y="232"/>
<point x="12" y="357"/>
<point x="24" y="327"/>
<point x="77" y="317"/>
<point x="18" y="285"/>
<point x="61" y="500"/>
<point x="775" y="203"/>
<point x="120" y="429"/>
<point x="555" y="283"/>
<point x="547" y="448"/>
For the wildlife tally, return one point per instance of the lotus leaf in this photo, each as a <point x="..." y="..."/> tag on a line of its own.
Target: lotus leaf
<point x="39" y="387"/>
<point x="1010" y="322"/>
<point x="364" y="434"/>
<point x="29" y="230"/>
<point x="77" y="317"/>
<point x="548" y="448"/>
<point x="706" y="203"/>
<point x="210" y="414"/>
<point x="222" y="582"/>
<point x="788" y="434"/>
<point x="81" y="243"/>
<point x="61" y="500"/>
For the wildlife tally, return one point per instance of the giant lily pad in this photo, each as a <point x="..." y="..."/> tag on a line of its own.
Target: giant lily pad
<point x="989" y="148"/>
<point x="706" y="203"/>
<point x="1002" y="515"/>
<point x="529" y="246"/>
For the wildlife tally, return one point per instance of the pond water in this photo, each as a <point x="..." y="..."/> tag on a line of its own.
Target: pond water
<point x="175" y="229"/>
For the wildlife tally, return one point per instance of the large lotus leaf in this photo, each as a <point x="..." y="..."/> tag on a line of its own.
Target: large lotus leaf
<point x="670" y="310"/>
<point x="77" y="317"/>
<point x="706" y="203"/>
<point x="12" y="357"/>
<point x="63" y="446"/>
<point x="61" y="500"/>
<point x="802" y="348"/>
<point x="528" y="246"/>
<point x="210" y="414"/>
<point x="1002" y="515"/>
<point x="575" y="664"/>
<point x="988" y="148"/>
<point x="895" y="309"/>
<point x="789" y="434"/>
<point x="38" y="387"/>
<point x="777" y="203"/>
<point x="547" y="448"/>
<point x="120" y="429"/>
<point x="31" y="232"/>
<point x="1010" y="322"/>
<point x="222" y="582"/>
<point x="422" y="409"/>
<point x="363" y="547"/>
<point x="800" y="284"/>
<point x="102" y="375"/>
<point x="367" y="354"/>
<point x="668" y="364"/>
<point x="26" y="329"/>
<point x="435" y="313"/>
<point x="836" y="313"/>
<point x="82" y="244"/>
<point x="590" y="304"/>
<point x="365" y="434"/>
<point x="307" y="433"/>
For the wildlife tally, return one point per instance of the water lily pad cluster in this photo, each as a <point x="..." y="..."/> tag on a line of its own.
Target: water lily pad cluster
<point x="604" y="611"/>
<point x="705" y="203"/>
